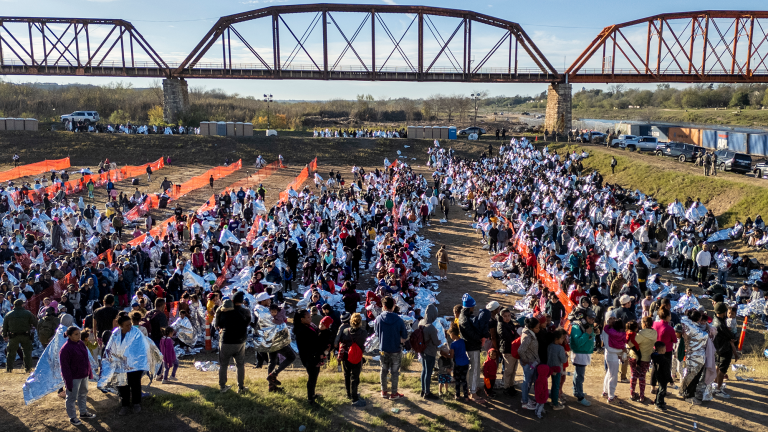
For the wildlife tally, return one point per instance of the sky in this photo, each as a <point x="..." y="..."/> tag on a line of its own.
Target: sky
<point x="561" y="29"/>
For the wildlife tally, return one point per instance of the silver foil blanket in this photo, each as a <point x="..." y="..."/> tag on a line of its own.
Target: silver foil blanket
<point x="46" y="378"/>
<point x="695" y="350"/>
<point x="185" y="332"/>
<point x="134" y="352"/>
<point x="271" y="337"/>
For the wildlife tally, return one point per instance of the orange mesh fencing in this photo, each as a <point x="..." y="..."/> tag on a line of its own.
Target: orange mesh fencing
<point x="223" y="277"/>
<point x="257" y="177"/>
<point x="180" y="190"/>
<point x="79" y="185"/>
<point x="34" y="168"/>
<point x="303" y="175"/>
<point x="133" y="171"/>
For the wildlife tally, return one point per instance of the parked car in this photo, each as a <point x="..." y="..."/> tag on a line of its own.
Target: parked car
<point x="617" y="142"/>
<point x="86" y="117"/>
<point x="729" y="160"/>
<point x="681" y="151"/>
<point x="472" y="129"/>
<point x="641" y="143"/>
<point x="597" y="137"/>
<point x="760" y="169"/>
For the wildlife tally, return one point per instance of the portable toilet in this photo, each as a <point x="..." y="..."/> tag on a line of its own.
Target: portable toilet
<point x="248" y="129"/>
<point x="230" y="128"/>
<point x="419" y="133"/>
<point x="452" y="132"/>
<point x="221" y="128"/>
<point x="19" y="124"/>
<point x="203" y="128"/>
<point x="2" y="124"/>
<point x="443" y="132"/>
<point x="411" y="131"/>
<point x="428" y="132"/>
<point x="10" y="124"/>
<point x="29" y="124"/>
<point x="239" y="129"/>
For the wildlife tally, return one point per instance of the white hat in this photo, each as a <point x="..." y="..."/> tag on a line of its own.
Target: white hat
<point x="492" y="306"/>
<point x="625" y="299"/>
<point x="262" y="296"/>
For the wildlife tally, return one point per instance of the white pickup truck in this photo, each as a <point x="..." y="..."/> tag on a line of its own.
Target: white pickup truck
<point x="84" y="116"/>
<point x="640" y="143"/>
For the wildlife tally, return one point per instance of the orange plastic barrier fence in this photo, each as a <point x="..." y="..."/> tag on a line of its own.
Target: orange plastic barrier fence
<point x="133" y="171"/>
<point x="547" y="279"/>
<point x="54" y="292"/>
<point x="75" y="186"/>
<point x="257" y="177"/>
<point x="180" y="190"/>
<point x="34" y="168"/>
<point x="223" y="277"/>
<point x="303" y="175"/>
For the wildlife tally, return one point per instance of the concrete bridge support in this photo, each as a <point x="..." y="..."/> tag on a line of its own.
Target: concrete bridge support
<point x="558" y="115"/>
<point x="175" y="98"/>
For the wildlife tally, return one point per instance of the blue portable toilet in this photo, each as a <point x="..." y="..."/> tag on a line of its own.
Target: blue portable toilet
<point x="451" y="132"/>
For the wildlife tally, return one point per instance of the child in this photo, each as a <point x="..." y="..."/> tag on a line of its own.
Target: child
<point x="444" y="369"/>
<point x="556" y="358"/>
<point x="679" y="356"/>
<point x="91" y="343"/>
<point x="461" y="362"/>
<point x="169" y="354"/>
<point x="647" y="304"/>
<point x="617" y="339"/>
<point x="136" y="319"/>
<point x="663" y="373"/>
<point x="490" y="367"/>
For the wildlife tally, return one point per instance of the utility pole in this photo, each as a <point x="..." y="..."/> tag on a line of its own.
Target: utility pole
<point x="475" y="98"/>
<point x="268" y="99"/>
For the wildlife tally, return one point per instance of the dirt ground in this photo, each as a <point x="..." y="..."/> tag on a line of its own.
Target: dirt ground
<point x="468" y="272"/>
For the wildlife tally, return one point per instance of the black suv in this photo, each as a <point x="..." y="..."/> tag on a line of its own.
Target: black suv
<point x="681" y="151"/>
<point x="729" y="160"/>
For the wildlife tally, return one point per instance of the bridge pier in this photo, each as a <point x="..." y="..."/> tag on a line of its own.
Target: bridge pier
<point x="558" y="115"/>
<point x="175" y="98"/>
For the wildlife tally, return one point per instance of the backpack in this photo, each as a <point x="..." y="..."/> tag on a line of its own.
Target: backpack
<point x="354" y="354"/>
<point x="417" y="340"/>
<point x="515" y="347"/>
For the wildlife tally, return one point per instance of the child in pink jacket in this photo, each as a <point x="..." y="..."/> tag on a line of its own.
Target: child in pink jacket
<point x="169" y="354"/>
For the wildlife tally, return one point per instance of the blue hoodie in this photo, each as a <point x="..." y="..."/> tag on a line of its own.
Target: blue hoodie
<point x="390" y="329"/>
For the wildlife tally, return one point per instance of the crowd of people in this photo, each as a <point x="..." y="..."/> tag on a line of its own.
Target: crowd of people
<point x="153" y="299"/>
<point x="359" y="133"/>
<point x="128" y="128"/>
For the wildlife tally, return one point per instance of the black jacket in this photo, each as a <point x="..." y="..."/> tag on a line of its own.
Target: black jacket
<point x="233" y="325"/>
<point x="309" y="343"/>
<point x="507" y="335"/>
<point x="469" y="331"/>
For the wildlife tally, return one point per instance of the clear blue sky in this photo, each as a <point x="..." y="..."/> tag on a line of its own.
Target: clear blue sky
<point x="560" y="28"/>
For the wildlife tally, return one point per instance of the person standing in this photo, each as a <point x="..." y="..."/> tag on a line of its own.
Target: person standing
<point x="210" y="181"/>
<point x="76" y="370"/>
<point x="582" y="346"/>
<point x="309" y="343"/>
<point x="703" y="260"/>
<point x="613" y="164"/>
<point x="390" y="329"/>
<point x="714" y="164"/>
<point x="442" y="262"/>
<point x="16" y="327"/>
<point x="707" y="163"/>
<point x="105" y="319"/>
<point x="232" y="320"/>
<point x="725" y="347"/>
<point x="352" y="344"/>
<point x="429" y="356"/>
<point x="507" y="331"/>
<point x="149" y="173"/>
<point x="130" y="393"/>
<point x="473" y="339"/>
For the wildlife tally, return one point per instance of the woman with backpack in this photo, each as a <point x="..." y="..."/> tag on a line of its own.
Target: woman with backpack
<point x="351" y="344"/>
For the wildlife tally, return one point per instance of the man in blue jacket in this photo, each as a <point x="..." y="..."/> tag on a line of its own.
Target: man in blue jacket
<point x="391" y="332"/>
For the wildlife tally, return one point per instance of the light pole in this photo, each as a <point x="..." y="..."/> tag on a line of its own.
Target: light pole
<point x="268" y="99"/>
<point x="475" y="97"/>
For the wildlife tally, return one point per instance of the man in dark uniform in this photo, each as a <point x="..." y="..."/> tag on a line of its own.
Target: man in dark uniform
<point x="16" y="331"/>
